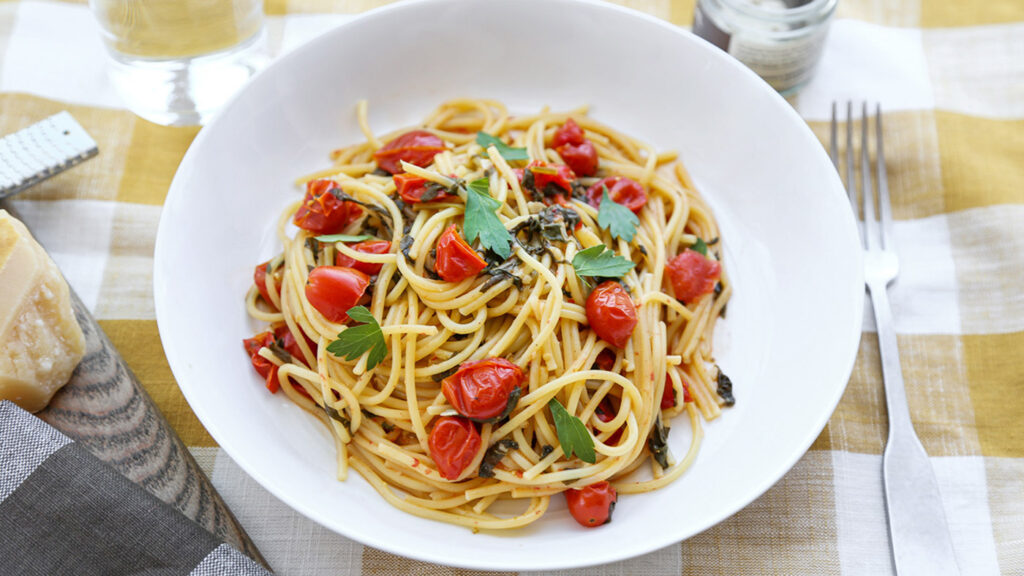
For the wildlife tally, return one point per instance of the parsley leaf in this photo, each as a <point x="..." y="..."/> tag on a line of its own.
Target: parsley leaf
<point x="572" y="434"/>
<point x="600" y="262"/>
<point x="616" y="218"/>
<point x="507" y="152"/>
<point x="343" y="238"/>
<point x="354" y="341"/>
<point x="700" y="246"/>
<point x="481" y="219"/>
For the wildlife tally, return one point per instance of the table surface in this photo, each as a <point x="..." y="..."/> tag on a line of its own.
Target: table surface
<point x="951" y="76"/>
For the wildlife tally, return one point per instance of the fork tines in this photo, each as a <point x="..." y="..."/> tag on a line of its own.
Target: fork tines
<point x="863" y="204"/>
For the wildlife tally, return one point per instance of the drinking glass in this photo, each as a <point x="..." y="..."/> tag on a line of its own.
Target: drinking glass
<point x="175" y="62"/>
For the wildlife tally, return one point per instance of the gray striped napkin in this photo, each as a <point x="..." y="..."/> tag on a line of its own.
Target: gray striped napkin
<point x="63" y="511"/>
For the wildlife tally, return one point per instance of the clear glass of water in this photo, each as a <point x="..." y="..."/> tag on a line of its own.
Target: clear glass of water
<point x="175" y="62"/>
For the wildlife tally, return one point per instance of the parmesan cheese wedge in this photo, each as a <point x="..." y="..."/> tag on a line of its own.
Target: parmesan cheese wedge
<point x="40" y="340"/>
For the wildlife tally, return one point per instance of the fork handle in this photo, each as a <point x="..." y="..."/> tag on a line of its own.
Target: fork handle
<point x="921" y="543"/>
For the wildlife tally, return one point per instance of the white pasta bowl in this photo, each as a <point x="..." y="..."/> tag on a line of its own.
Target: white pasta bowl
<point x="790" y="247"/>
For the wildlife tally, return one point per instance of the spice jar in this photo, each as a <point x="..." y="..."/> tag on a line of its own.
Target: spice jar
<point x="780" y="40"/>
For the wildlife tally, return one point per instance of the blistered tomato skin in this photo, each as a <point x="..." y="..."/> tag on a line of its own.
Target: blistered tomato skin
<point x="454" y="443"/>
<point x="544" y="174"/>
<point x="416" y="147"/>
<point x="456" y="260"/>
<point x="413" y="188"/>
<point x="611" y="313"/>
<point x="577" y="152"/>
<point x="265" y="368"/>
<point x="480" y="390"/>
<point x="364" y="247"/>
<point x="592" y="505"/>
<point x="322" y="212"/>
<point x="692" y="275"/>
<point x="332" y="290"/>
<point x="621" y="190"/>
<point x="259" y="277"/>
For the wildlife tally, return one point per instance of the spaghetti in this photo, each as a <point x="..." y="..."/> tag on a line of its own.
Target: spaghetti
<point x="588" y="329"/>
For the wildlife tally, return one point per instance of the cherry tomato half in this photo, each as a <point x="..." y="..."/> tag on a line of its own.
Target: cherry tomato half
<point x="417" y="147"/>
<point x="454" y="442"/>
<point x="605" y="360"/>
<point x="605" y="412"/>
<point x="592" y="505"/>
<point x="568" y="133"/>
<point x="265" y="368"/>
<point x="692" y="274"/>
<point x="668" y="395"/>
<point x="560" y="175"/>
<point x="364" y="247"/>
<point x="322" y="212"/>
<point x="578" y="152"/>
<point x="621" y="190"/>
<point x="332" y="290"/>
<point x="456" y="260"/>
<point x="259" y="277"/>
<point x="582" y="158"/>
<point x="285" y="339"/>
<point x="412" y="188"/>
<point x="611" y="313"/>
<point x="480" y="390"/>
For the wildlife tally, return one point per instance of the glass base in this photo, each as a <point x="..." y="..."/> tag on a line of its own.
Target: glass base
<point x="185" y="91"/>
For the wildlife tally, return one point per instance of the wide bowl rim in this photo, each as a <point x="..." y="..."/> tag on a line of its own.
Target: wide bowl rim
<point x="221" y="436"/>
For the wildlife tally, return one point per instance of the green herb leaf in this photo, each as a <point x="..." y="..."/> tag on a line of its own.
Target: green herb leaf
<point x="601" y="262"/>
<point x="343" y="238"/>
<point x="616" y="218"/>
<point x="658" y="443"/>
<point x="507" y="152"/>
<point x="572" y="434"/>
<point x="700" y="246"/>
<point x="481" y="219"/>
<point x="354" y="341"/>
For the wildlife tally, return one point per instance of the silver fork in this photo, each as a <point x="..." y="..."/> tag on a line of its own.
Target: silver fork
<point x="921" y="543"/>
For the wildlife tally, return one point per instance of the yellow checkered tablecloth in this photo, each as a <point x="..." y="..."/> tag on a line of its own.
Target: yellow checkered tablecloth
<point x="951" y="73"/>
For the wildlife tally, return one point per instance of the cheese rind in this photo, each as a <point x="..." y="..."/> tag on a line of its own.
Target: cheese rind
<point x="40" y="339"/>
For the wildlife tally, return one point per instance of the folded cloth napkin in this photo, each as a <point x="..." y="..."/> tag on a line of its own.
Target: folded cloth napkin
<point x="63" y="511"/>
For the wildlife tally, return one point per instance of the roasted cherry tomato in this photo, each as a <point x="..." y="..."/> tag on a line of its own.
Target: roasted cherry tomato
<point x="668" y="396"/>
<point x="582" y="158"/>
<point x="611" y="313"/>
<point x="332" y="290"/>
<point x="568" y="133"/>
<point x="605" y="360"/>
<point x="284" y="338"/>
<point x="265" y="368"/>
<point x="365" y="247"/>
<point x="578" y="152"/>
<point x="259" y="277"/>
<point x="412" y="188"/>
<point x="481" y="389"/>
<point x="606" y="413"/>
<point x="559" y="176"/>
<point x="456" y="260"/>
<point x="621" y="190"/>
<point x="322" y="212"/>
<point x="417" y="147"/>
<point x="692" y="274"/>
<point x="592" y="505"/>
<point x="454" y="442"/>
